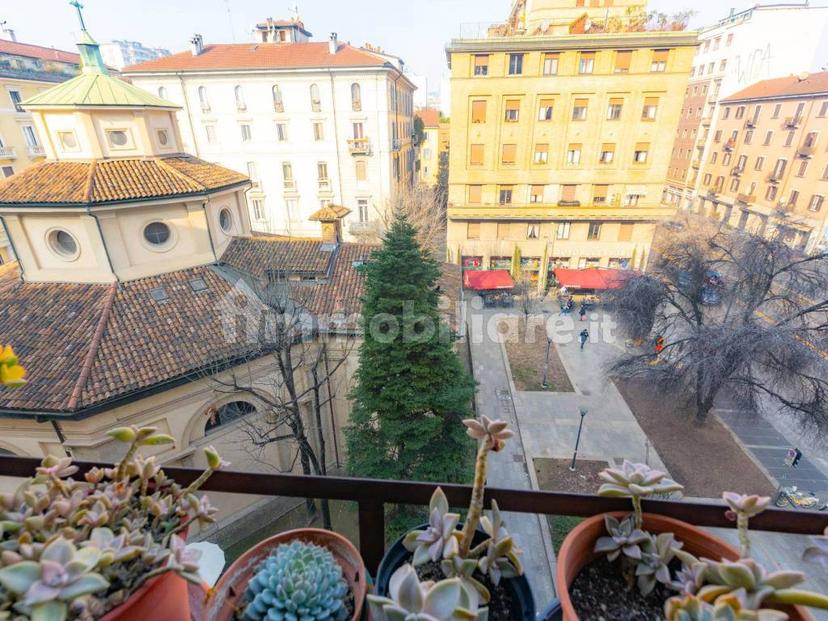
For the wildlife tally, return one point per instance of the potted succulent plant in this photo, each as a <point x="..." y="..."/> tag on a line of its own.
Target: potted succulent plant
<point x="613" y="565"/>
<point x="107" y="547"/>
<point x="485" y="560"/>
<point x="306" y="574"/>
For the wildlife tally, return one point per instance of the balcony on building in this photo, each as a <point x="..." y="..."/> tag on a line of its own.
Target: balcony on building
<point x="569" y="203"/>
<point x="396" y="144"/>
<point x="747" y="199"/>
<point x="359" y="146"/>
<point x="774" y="178"/>
<point x="364" y="227"/>
<point x="8" y="153"/>
<point x="792" y="122"/>
<point x="805" y="151"/>
<point x="36" y="150"/>
<point x="750" y="123"/>
<point x="737" y="171"/>
<point x="729" y="145"/>
<point x="324" y="186"/>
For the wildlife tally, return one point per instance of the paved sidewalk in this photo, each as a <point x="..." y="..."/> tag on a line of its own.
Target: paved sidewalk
<point x="508" y="467"/>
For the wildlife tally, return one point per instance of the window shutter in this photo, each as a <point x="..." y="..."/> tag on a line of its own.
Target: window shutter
<point x="477" y="154"/>
<point x="475" y="193"/>
<point x="660" y="55"/>
<point x="479" y="111"/>
<point x="622" y="60"/>
<point x="568" y="192"/>
<point x="509" y="153"/>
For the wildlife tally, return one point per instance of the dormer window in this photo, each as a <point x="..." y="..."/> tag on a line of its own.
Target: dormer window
<point x="68" y="141"/>
<point x="63" y="244"/>
<point x="163" y="137"/>
<point x="157" y="233"/>
<point x="226" y="220"/>
<point x="118" y="138"/>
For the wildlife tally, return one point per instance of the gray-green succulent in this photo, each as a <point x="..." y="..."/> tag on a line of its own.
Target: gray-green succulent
<point x="411" y="600"/>
<point x="299" y="582"/>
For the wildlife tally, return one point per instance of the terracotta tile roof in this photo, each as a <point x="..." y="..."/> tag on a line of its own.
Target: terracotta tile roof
<point x="103" y="181"/>
<point x="38" y="51"/>
<point x="430" y="116"/>
<point x="261" y="56"/>
<point x="813" y="84"/>
<point x="84" y="346"/>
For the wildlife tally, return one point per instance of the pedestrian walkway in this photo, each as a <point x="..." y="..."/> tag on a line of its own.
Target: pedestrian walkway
<point x="508" y="468"/>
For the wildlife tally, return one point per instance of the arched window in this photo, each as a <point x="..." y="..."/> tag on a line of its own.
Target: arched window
<point x="278" y="104"/>
<point x="356" y="98"/>
<point x="162" y="92"/>
<point x="229" y="412"/>
<point x="316" y="101"/>
<point x="202" y="98"/>
<point x="239" y="93"/>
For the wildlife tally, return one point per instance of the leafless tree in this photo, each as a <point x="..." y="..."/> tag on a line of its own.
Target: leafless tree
<point x="738" y="313"/>
<point x="423" y="208"/>
<point x="529" y="298"/>
<point x="292" y="379"/>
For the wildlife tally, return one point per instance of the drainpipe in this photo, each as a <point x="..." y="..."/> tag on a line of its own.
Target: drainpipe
<point x="336" y="138"/>
<point x="189" y="115"/>
<point x="209" y="233"/>
<point x="103" y="241"/>
<point x="14" y="250"/>
<point x="61" y="438"/>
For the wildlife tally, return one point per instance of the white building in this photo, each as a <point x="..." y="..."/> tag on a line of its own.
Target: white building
<point x="119" y="54"/>
<point x="759" y="43"/>
<point x="311" y="123"/>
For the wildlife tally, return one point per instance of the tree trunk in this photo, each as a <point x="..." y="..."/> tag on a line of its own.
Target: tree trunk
<point x="320" y="436"/>
<point x="701" y="410"/>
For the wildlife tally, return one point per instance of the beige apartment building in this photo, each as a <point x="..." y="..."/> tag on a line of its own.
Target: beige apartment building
<point x="560" y="145"/>
<point x="769" y="160"/>
<point x="434" y="145"/>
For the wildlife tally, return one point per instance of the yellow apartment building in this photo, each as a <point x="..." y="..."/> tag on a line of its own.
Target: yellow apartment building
<point x="560" y="147"/>
<point x="767" y="169"/>
<point x="434" y="144"/>
<point x="25" y="70"/>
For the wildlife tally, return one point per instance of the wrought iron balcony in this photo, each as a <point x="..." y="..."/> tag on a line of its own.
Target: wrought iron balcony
<point x="36" y="150"/>
<point x="729" y="145"/>
<point x="774" y="177"/>
<point x="750" y="124"/>
<point x="371" y="496"/>
<point x="8" y="153"/>
<point x="737" y="171"/>
<point x="747" y="199"/>
<point x="792" y="122"/>
<point x="359" y="146"/>
<point x="368" y="227"/>
<point x="805" y="151"/>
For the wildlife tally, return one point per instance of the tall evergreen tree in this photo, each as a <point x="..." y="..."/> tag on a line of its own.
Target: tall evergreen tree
<point x="412" y="390"/>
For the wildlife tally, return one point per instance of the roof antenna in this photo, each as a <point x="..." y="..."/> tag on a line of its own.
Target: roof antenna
<point x="295" y="11"/>
<point x="230" y="20"/>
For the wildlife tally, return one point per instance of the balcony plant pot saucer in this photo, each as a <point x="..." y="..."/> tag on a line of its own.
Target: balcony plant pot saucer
<point x="163" y="597"/>
<point x="518" y="588"/>
<point x="577" y="551"/>
<point x="226" y="595"/>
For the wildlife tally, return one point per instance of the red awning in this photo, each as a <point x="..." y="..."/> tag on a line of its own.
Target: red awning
<point x="486" y="280"/>
<point x="591" y="278"/>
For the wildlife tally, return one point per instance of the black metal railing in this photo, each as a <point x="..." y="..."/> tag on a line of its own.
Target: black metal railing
<point x="372" y="494"/>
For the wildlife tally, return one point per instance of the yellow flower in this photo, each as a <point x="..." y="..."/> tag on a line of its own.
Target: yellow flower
<point x="11" y="373"/>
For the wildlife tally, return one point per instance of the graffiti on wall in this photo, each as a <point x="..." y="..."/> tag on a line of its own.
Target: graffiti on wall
<point x="753" y="66"/>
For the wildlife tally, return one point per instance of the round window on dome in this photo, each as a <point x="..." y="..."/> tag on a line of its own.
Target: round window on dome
<point x="157" y="233"/>
<point x="63" y="244"/>
<point x="226" y="220"/>
<point x="163" y="137"/>
<point x="118" y="138"/>
<point x="68" y="141"/>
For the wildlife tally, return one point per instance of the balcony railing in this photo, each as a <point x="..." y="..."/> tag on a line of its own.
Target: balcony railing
<point x="792" y="122"/>
<point x="747" y="199"/>
<point x="774" y="177"/>
<point x="324" y="185"/>
<point x="729" y="145"/>
<point x="569" y="203"/>
<point x="805" y="151"/>
<point x="396" y="144"/>
<point x="750" y="124"/>
<point x="359" y="146"/>
<point x="371" y="495"/>
<point x="36" y="150"/>
<point x="8" y="153"/>
<point x="737" y="171"/>
<point x="367" y="227"/>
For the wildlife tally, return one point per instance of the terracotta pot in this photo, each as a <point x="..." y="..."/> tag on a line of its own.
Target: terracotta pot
<point x="232" y="584"/>
<point x="576" y="552"/>
<point x="163" y="597"/>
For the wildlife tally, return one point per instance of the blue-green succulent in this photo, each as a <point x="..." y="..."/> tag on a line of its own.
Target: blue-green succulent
<point x="298" y="582"/>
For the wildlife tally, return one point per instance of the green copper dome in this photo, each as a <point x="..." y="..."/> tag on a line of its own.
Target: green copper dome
<point x="94" y="86"/>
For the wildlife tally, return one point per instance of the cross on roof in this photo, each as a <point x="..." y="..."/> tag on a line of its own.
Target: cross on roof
<point x="79" y="7"/>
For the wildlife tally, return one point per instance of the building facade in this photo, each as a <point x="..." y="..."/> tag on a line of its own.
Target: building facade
<point x="768" y="165"/>
<point x="311" y="123"/>
<point x="25" y="70"/>
<point x="119" y="54"/>
<point x="757" y="44"/>
<point x="560" y="147"/>
<point x="434" y="146"/>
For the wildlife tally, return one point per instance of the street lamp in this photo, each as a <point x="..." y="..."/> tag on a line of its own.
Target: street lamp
<point x="545" y="383"/>
<point x="583" y="412"/>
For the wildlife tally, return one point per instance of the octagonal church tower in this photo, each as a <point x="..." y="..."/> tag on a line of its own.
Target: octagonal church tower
<point x="115" y="199"/>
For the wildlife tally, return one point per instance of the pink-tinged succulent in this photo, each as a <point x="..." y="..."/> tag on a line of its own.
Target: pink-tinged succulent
<point x="624" y="538"/>
<point x="493" y="432"/>
<point x="60" y="467"/>
<point x="747" y="505"/>
<point x="636" y="481"/>
<point x="440" y="538"/>
<point x="655" y="562"/>
<point x="502" y="558"/>
<point x="183" y="561"/>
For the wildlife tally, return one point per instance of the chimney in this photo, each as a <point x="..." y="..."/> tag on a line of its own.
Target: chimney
<point x="197" y="43"/>
<point x="330" y="217"/>
<point x="333" y="44"/>
<point x="7" y="33"/>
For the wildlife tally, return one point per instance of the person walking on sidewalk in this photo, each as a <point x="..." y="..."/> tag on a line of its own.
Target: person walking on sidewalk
<point x="583" y="312"/>
<point x="583" y="336"/>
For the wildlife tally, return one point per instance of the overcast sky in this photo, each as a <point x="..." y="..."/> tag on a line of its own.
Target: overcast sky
<point x="416" y="30"/>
